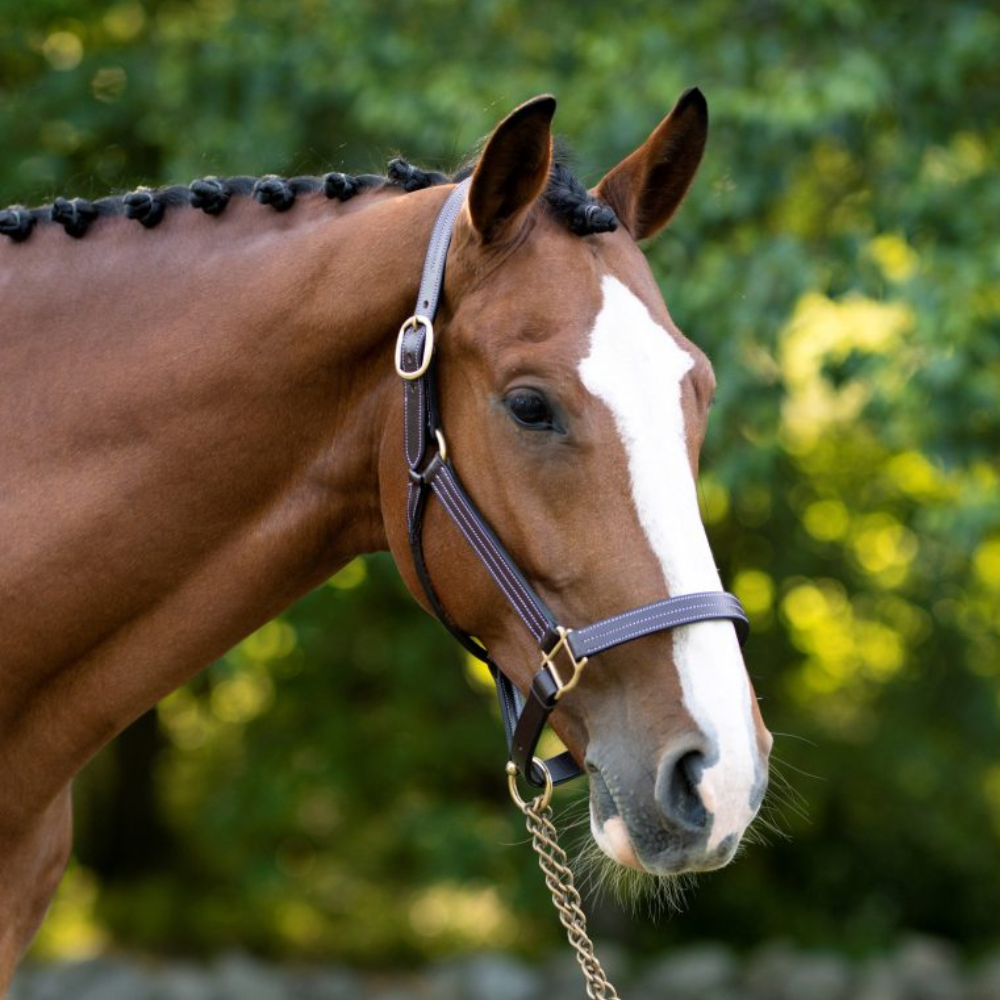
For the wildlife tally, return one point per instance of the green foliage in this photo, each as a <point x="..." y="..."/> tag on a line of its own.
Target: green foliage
<point x="334" y="785"/>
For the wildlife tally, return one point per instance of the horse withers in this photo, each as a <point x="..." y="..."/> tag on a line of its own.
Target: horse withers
<point x="202" y="421"/>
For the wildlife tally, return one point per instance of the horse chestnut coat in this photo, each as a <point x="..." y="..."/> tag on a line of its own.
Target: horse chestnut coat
<point x="202" y="421"/>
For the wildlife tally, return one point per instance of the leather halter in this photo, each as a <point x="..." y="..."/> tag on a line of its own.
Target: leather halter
<point x="565" y="652"/>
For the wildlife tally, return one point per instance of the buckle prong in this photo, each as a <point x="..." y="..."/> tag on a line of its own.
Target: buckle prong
<point x="576" y="666"/>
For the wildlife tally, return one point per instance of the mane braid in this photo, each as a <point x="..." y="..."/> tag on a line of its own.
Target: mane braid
<point x="17" y="223"/>
<point x="411" y="178"/>
<point x="571" y="201"/>
<point x="343" y="187"/>
<point x="145" y="205"/>
<point x="211" y="195"/>
<point x="74" y="216"/>
<point x="280" y="193"/>
<point x="565" y="197"/>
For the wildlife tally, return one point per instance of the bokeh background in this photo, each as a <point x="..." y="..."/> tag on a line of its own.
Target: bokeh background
<point x="333" y="788"/>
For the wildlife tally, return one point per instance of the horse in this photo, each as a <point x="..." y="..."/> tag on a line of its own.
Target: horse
<point x="202" y="422"/>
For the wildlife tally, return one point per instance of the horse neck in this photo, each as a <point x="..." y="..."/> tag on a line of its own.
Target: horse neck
<point x="197" y="414"/>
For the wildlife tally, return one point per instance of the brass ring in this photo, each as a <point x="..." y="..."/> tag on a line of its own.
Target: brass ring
<point x="442" y="444"/>
<point x="540" y="801"/>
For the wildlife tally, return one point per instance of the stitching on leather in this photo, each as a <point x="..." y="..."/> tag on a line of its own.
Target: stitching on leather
<point x="513" y="581"/>
<point x="470" y="514"/>
<point x="652" y="608"/>
<point x="484" y="545"/>
<point x="635" y="629"/>
<point x="671" y="608"/>
<point x="411" y="504"/>
<point x="414" y="429"/>
<point x="430" y="283"/>
<point x="408" y="436"/>
<point x="486" y="548"/>
<point x="421" y="423"/>
<point x="460" y="518"/>
<point x="654" y="615"/>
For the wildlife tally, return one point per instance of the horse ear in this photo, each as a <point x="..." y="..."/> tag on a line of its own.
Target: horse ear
<point x="513" y="169"/>
<point x="646" y="188"/>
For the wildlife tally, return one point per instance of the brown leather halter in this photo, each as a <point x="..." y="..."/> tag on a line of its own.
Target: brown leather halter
<point x="565" y="652"/>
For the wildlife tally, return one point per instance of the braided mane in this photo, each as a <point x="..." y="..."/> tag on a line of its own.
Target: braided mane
<point x="565" y="196"/>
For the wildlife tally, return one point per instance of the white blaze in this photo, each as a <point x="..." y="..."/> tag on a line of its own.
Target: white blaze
<point x="636" y="368"/>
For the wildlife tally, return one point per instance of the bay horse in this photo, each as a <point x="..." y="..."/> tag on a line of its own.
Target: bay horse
<point x="202" y="421"/>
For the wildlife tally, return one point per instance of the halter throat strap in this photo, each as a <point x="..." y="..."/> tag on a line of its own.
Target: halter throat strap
<point x="565" y="652"/>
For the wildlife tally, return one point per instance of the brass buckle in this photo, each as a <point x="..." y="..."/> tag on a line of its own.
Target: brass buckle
<point x="548" y="663"/>
<point x="411" y="324"/>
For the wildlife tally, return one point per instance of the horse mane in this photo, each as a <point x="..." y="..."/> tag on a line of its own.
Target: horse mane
<point x="565" y="196"/>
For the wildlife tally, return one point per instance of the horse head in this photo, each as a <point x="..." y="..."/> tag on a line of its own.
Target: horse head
<point x="575" y="411"/>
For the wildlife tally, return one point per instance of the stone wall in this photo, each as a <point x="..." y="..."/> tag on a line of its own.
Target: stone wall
<point x="919" y="970"/>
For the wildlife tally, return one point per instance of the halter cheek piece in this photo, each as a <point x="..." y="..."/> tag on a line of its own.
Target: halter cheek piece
<point x="565" y="652"/>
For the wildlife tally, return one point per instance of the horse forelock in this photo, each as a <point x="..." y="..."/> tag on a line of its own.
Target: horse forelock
<point x="565" y="197"/>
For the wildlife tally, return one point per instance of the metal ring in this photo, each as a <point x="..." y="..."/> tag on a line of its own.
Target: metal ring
<point x="411" y="324"/>
<point x="540" y="801"/>
<point x="442" y="444"/>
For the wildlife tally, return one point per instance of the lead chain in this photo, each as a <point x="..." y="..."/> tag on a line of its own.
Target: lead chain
<point x="559" y="878"/>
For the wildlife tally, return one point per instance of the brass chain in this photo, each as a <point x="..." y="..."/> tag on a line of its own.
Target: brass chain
<point x="559" y="878"/>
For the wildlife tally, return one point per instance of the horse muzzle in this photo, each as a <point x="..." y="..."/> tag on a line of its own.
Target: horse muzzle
<point x="688" y="815"/>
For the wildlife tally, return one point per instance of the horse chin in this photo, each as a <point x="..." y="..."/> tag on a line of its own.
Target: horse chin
<point x="607" y="826"/>
<point x="612" y="838"/>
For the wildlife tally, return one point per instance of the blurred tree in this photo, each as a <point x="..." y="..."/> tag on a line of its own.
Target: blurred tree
<point x="838" y="259"/>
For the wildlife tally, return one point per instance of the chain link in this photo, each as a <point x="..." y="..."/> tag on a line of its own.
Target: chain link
<point x="559" y="878"/>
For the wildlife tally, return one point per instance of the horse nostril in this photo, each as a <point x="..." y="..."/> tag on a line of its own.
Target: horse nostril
<point x="677" y="791"/>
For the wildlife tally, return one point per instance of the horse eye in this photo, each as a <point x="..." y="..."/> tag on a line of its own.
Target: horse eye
<point x="530" y="409"/>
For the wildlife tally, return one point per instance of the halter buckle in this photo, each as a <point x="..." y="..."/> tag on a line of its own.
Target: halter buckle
<point x="428" y="347"/>
<point x="549" y="664"/>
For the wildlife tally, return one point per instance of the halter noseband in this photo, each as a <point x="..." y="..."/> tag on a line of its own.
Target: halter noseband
<point x="565" y="652"/>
